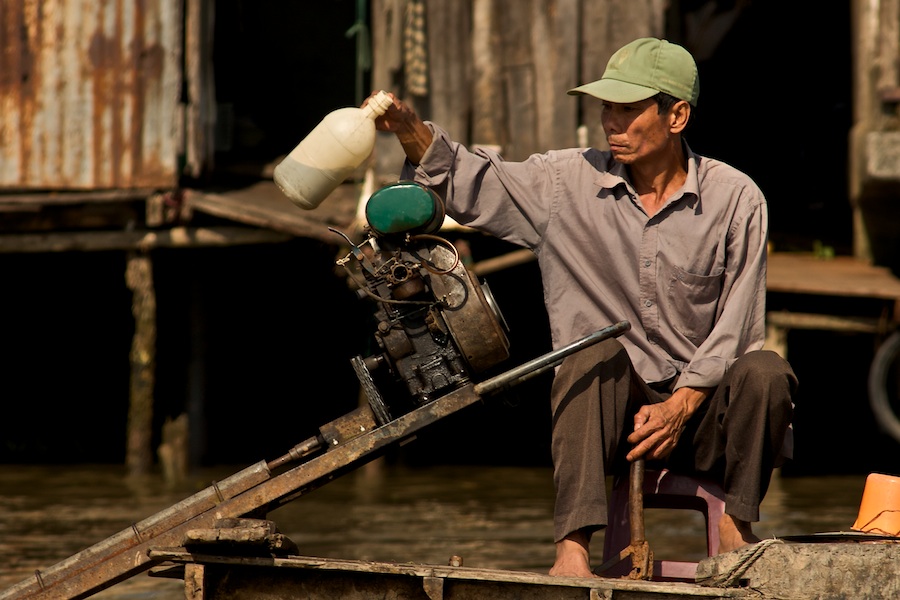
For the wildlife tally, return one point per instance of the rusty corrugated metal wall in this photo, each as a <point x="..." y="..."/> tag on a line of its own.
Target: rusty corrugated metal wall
<point x="89" y="94"/>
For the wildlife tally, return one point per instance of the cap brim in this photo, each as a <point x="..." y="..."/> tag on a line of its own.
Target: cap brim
<point x="613" y="90"/>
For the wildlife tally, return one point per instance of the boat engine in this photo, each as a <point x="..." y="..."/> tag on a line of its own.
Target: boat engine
<point x="435" y="325"/>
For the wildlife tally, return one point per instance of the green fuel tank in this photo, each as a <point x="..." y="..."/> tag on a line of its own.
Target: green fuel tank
<point x="405" y="207"/>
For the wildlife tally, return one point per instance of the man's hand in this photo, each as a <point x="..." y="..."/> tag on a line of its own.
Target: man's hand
<point x="400" y="119"/>
<point x="657" y="427"/>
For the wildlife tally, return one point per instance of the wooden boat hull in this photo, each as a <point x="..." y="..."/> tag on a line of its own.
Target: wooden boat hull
<point x="210" y="577"/>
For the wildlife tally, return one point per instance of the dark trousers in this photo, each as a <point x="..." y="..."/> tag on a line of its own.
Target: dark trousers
<point x="735" y="437"/>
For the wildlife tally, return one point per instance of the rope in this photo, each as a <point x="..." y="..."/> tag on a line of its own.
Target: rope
<point x="415" y="49"/>
<point x="731" y="577"/>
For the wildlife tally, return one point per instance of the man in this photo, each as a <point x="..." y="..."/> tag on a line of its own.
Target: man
<point x="651" y="233"/>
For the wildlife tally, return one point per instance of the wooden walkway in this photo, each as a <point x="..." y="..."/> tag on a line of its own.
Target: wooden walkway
<point x="143" y="219"/>
<point x="839" y="276"/>
<point x="813" y="281"/>
<point x="264" y="205"/>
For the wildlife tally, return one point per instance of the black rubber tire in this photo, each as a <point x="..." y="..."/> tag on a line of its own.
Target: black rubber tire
<point x="886" y="355"/>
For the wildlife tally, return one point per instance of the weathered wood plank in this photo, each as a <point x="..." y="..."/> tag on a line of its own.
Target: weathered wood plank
<point x="303" y="576"/>
<point x="555" y="54"/>
<point x="387" y="72"/>
<point x="487" y="96"/>
<point x="178" y="237"/>
<point x="449" y="59"/>
<point x="606" y="26"/>
<point x="792" y="320"/>
<point x="193" y="582"/>
<point x="10" y="202"/>
<point x="840" y="276"/>
<point x="139" y="277"/>
<point x="264" y="205"/>
<point x="517" y="76"/>
<point x="199" y="110"/>
<point x="505" y="261"/>
<point x="499" y="69"/>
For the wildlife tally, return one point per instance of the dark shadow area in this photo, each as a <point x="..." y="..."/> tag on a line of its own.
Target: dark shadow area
<point x="272" y="331"/>
<point x="64" y="352"/>
<point x="279" y="68"/>
<point x="776" y="102"/>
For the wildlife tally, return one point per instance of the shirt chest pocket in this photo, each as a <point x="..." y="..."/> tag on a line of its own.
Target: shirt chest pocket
<point x="693" y="301"/>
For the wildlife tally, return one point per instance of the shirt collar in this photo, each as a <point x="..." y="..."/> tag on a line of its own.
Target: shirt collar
<point x="615" y="174"/>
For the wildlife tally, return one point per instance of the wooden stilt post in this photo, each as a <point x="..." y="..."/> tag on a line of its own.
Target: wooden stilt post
<point x="196" y="392"/>
<point x="139" y="278"/>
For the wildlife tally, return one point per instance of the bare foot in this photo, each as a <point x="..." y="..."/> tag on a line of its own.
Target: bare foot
<point x="572" y="556"/>
<point x="734" y="534"/>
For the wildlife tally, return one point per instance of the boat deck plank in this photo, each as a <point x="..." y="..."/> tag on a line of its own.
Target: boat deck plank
<point x="237" y="577"/>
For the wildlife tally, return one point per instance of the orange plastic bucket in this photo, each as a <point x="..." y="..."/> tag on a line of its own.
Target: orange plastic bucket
<point x="879" y="511"/>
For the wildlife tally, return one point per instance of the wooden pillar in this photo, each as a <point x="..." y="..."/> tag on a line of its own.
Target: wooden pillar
<point x="194" y="587"/>
<point x="196" y="380"/>
<point x="200" y="108"/>
<point x="139" y="278"/>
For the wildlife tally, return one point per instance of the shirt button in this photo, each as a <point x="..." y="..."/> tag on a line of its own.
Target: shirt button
<point x="648" y="303"/>
<point x="647" y="263"/>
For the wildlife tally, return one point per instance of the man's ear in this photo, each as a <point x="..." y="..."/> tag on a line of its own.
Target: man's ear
<point x="679" y="116"/>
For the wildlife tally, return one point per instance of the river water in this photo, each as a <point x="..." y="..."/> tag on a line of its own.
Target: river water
<point x="493" y="517"/>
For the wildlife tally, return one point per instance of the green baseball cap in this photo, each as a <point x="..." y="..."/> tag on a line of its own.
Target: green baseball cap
<point x="641" y="69"/>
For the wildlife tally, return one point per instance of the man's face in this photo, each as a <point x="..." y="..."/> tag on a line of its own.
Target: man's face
<point x="634" y="131"/>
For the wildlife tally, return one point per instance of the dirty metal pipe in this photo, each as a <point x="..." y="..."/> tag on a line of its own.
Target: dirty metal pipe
<point x="302" y="449"/>
<point x="641" y="554"/>
<point x="636" y="501"/>
<point x="547" y="361"/>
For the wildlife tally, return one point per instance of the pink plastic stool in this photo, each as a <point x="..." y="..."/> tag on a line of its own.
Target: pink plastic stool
<point x="663" y="489"/>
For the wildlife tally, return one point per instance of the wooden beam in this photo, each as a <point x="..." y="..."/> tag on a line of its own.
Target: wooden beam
<point x="177" y="237"/>
<point x="17" y="201"/>
<point x="263" y="205"/>
<point x="848" y="324"/>
<point x="139" y="277"/>
<point x="499" y="263"/>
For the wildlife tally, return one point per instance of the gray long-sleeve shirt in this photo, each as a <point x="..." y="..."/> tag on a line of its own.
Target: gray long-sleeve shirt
<point x="690" y="279"/>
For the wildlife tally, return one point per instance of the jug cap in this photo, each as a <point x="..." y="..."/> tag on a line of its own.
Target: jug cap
<point x="380" y="102"/>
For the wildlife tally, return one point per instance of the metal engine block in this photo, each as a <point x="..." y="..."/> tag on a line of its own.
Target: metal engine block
<point x="435" y="325"/>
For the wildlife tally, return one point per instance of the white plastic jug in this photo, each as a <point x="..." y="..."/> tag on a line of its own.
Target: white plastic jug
<point x="330" y="153"/>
